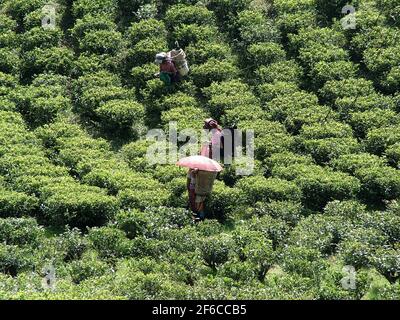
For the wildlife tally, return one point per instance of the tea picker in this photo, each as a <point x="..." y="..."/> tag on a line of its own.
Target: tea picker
<point x="173" y="65"/>
<point x="200" y="181"/>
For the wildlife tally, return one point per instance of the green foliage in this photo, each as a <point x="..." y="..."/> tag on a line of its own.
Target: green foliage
<point x="253" y="27"/>
<point x="319" y="185"/>
<point x="133" y="223"/>
<point x="183" y="15"/>
<point x="320" y="233"/>
<point x="378" y="140"/>
<point x="288" y="211"/>
<point x="109" y="242"/>
<point x="213" y="71"/>
<point x="265" y="53"/>
<point x="72" y="243"/>
<point x="120" y="114"/>
<point x="201" y="51"/>
<point x="283" y="71"/>
<point x="262" y="189"/>
<point x="79" y="192"/>
<point x="82" y="8"/>
<point x="303" y="261"/>
<point x="14" y="259"/>
<point x="330" y="8"/>
<point x="359" y="246"/>
<point x="192" y="33"/>
<point x="215" y="250"/>
<point x="88" y="267"/>
<point x="20" y="231"/>
<point x="14" y="204"/>
<point x="353" y="88"/>
<point x="76" y="205"/>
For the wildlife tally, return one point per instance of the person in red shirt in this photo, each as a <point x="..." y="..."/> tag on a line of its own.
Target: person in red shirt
<point x="217" y="138"/>
<point x="168" y="71"/>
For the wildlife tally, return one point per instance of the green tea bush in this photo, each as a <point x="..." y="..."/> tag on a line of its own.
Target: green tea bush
<point x="326" y="130"/>
<point x="265" y="53"/>
<point x="297" y="118"/>
<point x="384" y="221"/>
<point x="272" y="229"/>
<point x="347" y="105"/>
<point x="353" y="87"/>
<point x="110" y="243"/>
<point x="303" y="261"/>
<point x="270" y="91"/>
<point x="378" y="140"/>
<point x="141" y="74"/>
<point x="82" y="8"/>
<point x="315" y="53"/>
<point x="14" y="259"/>
<point x="185" y="14"/>
<point x="289" y="211"/>
<point x="94" y="98"/>
<point x="393" y="155"/>
<point x="387" y="262"/>
<point x="188" y="34"/>
<point x="39" y="38"/>
<point x="186" y="117"/>
<point x="87" y="268"/>
<point x="283" y="71"/>
<point x="76" y="205"/>
<point x="203" y="50"/>
<point x="253" y="27"/>
<point x="41" y="104"/>
<point x="8" y="36"/>
<point x="324" y="71"/>
<point x="352" y="162"/>
<point x="72" y="243"/>
<point x="20" y="231"/>
<point x="319" y="232"/>
<point x="286" y="158"/>
<point x="223" y="201"/>
<point x="144" y="29"/>
<point x="171" y="218"/>
<point x="310" y="36"/>
<point x="143" y="198"/>
<point x="90" y="27"/>
<point x="379" y="183"/>
<point x="270" y="137"/>
<point x="359" y="246"/>
<point x="263" y="189"/>
<point x="216" y="250"/>
<point x="17" y="204"/>
<point x="144" y="52"/>
<point x="363" y="122"/>
<point x="133" y="223"/>
<point x="213" y="71"/>
<point x="319" y="185"/>
<point x="229" y="95"/>
<point x="348" y="209"/>
<point x="10" y="61"/>
<point x="283" y="105"/>
<point x="324" y="150"/>
<point x="251" y="247"/>
<point x="120" y="115"/>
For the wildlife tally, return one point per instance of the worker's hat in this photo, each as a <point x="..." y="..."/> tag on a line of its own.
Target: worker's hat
<point x="160" y="57"/>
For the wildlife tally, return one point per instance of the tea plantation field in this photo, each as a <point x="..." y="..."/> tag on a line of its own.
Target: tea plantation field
<point x="84" y="215"/>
